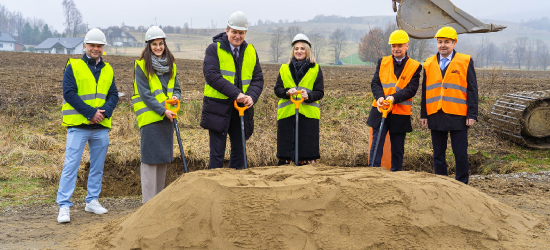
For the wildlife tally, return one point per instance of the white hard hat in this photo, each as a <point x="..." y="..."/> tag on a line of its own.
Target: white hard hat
<point x="154" y="32"/>
<point x="95" y="36"/>
<point x="238" y="21"/>
<point x="300" y="37"/>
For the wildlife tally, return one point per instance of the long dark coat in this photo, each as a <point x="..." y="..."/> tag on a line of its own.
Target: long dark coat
<point x="308" y="140"/>
<point x="216" y="113"/>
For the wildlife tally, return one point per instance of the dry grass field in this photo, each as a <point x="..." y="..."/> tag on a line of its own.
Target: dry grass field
<point x="32" y="140"/>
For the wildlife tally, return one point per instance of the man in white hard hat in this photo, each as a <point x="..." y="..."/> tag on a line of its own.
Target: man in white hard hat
<point x="90" y="96"/>
<point x="232" y="72"/>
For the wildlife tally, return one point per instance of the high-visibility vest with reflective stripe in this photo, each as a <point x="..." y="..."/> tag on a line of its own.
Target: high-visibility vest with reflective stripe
<point x="286" y="107"/>
<point x="91" y="92"/>
<point x="391" y="84"/>
<point x="449" y="93"/>
<point x="144" y="114"/>
<point x="227" y="68"/>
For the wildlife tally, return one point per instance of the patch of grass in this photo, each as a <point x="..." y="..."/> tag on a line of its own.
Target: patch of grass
<point x="21" y="191"/>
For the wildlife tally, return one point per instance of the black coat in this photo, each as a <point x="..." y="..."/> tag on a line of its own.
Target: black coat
<point x="308" y="140"/>
<point x="216" y="113"/>
<point x="447" y="122"/>
<point x="397" y="123"/>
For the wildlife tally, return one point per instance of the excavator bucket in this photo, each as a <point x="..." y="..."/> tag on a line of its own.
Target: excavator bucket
<point x="421" y="19"/>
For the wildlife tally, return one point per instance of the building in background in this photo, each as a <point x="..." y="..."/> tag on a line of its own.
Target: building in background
<point x="7" y="43"/>
<point x="65" y="45"/>
<point x="118" y="37"/>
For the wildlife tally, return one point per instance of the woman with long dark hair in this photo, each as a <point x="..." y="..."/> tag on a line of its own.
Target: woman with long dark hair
<point x="155" y="82"/>
<point x="302" y="77"/>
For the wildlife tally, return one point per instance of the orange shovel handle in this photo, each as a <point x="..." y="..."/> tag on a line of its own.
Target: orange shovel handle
<point x="240" y="109"/>
<point x="386" y="108"/>
<point x="168" y="105"/>
<point x="297" y="102"/>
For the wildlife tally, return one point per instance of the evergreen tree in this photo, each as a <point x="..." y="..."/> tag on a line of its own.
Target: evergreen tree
<point x="46" y="33"/>
<point x="26" y="33"/>
<point x="35" y="35"/>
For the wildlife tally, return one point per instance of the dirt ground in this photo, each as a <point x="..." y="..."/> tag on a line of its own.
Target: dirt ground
<point x="35" y="226"/>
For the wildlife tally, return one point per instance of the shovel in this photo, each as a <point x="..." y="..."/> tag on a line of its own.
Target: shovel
<point x="167" y="105"/>
<point x="385" y="110"/>
<point x="296" y="107"/>
<point x="241" y="114"/>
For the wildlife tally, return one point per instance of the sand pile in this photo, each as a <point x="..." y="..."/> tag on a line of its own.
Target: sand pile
<point x="317" y="207"/>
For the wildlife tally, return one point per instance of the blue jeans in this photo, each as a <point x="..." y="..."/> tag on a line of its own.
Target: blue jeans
<point x="98" y="142"/>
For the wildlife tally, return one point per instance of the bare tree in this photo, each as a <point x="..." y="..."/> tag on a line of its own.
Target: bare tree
<point x="419" y="48"/>
<point x="73" y="18"/>
<point x="520" y="45"/>
<point x="482" y="51"/>
<point x="529" y="54"/>
<point x="318" y="42"/>
<point x="491" y="51"/>
<point x="277" y="43"/>
<point x="19" y="22"/>
<point x="506" y="51"/>
<point x="543" y="54"/>
<point x="371" y="46"/>
<point x="292" y="31"/>
<point x="337" y="41"/>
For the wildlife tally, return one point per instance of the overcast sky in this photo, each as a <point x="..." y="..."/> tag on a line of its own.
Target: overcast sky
<point x="104" y="13"/>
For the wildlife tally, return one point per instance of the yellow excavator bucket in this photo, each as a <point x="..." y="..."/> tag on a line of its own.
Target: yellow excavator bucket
<point x="423" y="18"/>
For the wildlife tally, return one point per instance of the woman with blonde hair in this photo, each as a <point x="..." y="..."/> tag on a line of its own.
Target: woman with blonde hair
<point x="301" y="77"/>
<point x="155" y="82"/>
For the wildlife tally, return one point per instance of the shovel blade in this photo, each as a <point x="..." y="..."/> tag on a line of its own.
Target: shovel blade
<point x="422" y="19"/>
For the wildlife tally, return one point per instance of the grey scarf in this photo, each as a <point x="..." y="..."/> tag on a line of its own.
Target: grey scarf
<point x="160" y="65"/>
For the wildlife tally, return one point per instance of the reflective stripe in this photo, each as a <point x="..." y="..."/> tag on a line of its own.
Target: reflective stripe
<point x="388" y="85"/>
<point x="289" y="102"/>
<point x="136" y="100"/>
<point x="409" y="103"/>
<point x="433" y="86"/>
<point x="284" y="104"/>
<point x="143" y="110"/>
<point x="302" y="88"/>
<point x="314" y="104"/>
<point x="433" y="99"/>
<point x="454" y="86"/>
<point x="157" y="92"/>
<point x="100" y="96"/>
<point x="171" y="90"/>
<point x="246" y="82"/>
<point x="455" y="100"/>
<point x="70" y="112"/>
<point x="227" y="73"/>
<point x="88" y="97"/>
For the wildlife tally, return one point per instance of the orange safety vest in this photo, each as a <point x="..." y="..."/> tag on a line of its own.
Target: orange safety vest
<point x="391" y="84"/>
<point x="449" y="93"/>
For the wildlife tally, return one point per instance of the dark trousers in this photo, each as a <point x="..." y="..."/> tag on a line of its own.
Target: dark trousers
<point x="459" y="142"/>
<point x="397" y="147"/>
<point x="218" y="141"/>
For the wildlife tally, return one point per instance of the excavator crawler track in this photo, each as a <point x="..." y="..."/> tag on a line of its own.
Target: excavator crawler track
<point x="523" y="118"/>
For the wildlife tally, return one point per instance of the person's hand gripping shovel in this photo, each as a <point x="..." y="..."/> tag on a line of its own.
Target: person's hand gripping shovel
<point x="296" y="107"/>
<point x="385" y="110"/>
<point x="168" y="104"/>
<point x="241" y="114"/>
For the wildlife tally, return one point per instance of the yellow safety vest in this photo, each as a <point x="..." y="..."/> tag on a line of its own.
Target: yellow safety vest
<point x="144" y="114"/>
<point x="286" y="107"/>
<point x="91" y="92"/>
<point x="227" y="68"/>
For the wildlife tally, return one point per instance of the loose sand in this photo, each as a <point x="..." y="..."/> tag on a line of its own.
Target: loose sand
<point x="318" y="207"/>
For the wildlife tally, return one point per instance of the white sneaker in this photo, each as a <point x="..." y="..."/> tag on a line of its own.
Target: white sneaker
<point x="64" y="215"/>
<point x="95" y="207"/>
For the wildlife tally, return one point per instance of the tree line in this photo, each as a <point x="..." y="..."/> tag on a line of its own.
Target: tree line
<point x="25" y="30"/>
<point x="520" y="52"/>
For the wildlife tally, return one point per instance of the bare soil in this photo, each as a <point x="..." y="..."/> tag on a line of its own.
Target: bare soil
<point x="35" y="226"/>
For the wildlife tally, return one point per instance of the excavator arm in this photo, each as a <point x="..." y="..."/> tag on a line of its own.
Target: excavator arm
<point x="423" y="18"/>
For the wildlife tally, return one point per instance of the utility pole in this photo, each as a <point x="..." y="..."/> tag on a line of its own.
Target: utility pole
<point x="191" y="23"/>
<point x="156" y="22"/>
